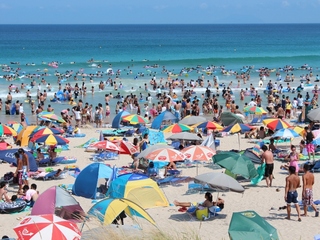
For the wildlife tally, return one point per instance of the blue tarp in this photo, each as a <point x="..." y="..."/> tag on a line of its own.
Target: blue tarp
<point x="165" y="116"/>
<point x="156" y="137"/>
<point x="118" y="118"/>
<point x="8" y="156"/>
<point x="87" y="180"/>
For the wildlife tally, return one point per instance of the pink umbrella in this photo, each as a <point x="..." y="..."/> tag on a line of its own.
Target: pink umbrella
<point x="166" y="155"/>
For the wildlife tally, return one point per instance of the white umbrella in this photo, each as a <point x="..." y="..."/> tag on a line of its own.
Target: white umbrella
<point x="191" y="120"/>
<point x="152" y="148"/>
<point x="185" y="136"/>
<point x="166" y="155"/>
<point x="219" y="181"/>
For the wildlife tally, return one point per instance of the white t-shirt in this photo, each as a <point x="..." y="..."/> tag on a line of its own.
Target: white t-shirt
<point x="29" y="194"/>
<point x="21" y="109"/>
<point x="252" y="104"/>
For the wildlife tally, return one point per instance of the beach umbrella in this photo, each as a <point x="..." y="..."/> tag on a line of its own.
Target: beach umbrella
<point x="255" y="110"/>
<point x="185" y="136"/>
<point x="250" y="226"/>
<point x="285" y="133"/>
<point x="6" y="130"/>
<point x="166" y="155"/>
<point x="16" y="126"/>
<point x="298" y="129"/>
<point x="238" y="127"/>
<point x="107" y="210"/>
<point x="152" y="148"/>
<point x="191" y="120"/>
<point x="135" y="119"/>
<point x="50" y="139"/>
<point x="47" y="226"/>
<point x="275" y="124"/>
<point x="45" y="130"/>
<point x="314" y="115"/>
<point x="125" y="147"/>
<point x="177" y="128"/>
<point x="51" y="116"/>
<point x="208" y="125"/>
<point x="236" y="163"/>
<point x="198" y="153"/>
<point x="220" y="181"/>
<point x="106" y="145"/>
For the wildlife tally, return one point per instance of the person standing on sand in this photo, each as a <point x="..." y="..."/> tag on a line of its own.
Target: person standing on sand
<point x="267" y="157"/>
<point x="307" y="192"/>
<point x="25" y="165"/>
<point x="291" y="194"/>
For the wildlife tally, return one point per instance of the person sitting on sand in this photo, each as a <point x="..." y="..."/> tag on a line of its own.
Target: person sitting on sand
<point x="40" y="155"/>
<point x="170" y="166"/>
<point x="4" y="193"/>
<point x="272" y="147"/>
<point x="207" y="203"/>
<point x="31" y="195"/>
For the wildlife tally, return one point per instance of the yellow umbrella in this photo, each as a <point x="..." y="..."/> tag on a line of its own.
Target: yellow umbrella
<point x="298" y="129"/>
<point x="208" y="125"/>
<point x="107" y="210"/>
<point x="24" y="136"/>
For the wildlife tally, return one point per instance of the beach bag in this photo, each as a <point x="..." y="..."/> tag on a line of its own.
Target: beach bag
<point x="201" y="214"/>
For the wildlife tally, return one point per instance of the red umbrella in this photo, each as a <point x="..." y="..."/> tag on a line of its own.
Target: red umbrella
<point x="166" y="155"/>
<point x="125" y="147"/>
<point x="106" y="145"/>
<point x="47" y="226"/>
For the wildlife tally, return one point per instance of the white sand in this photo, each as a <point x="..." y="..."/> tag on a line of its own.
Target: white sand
<point x="169" y="220"/>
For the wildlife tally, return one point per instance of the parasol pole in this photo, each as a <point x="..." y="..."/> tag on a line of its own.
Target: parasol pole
<point x="239" y="140"/>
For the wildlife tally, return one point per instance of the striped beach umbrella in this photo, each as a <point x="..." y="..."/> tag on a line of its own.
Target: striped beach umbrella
<point x="6" y="130"/>
<point x="106" y="145"/>
<point x="51" y="116"/>
<point x="135" y="119"/>
<point x="166" y="155"/>
<point x="238" y="127"/>
<point x="50" y="139"/>
<point x="45" y="130"/>
<point x="275" y="124"/>
<point x="255" y="110"/>
<point x="177" y="128"/>
<point x="286" y="133"/>
<point x="198" y="153"/>
<point x="208" y="125"/>
<point x="16" y="126"/>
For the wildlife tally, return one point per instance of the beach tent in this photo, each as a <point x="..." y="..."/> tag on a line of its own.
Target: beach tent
<point x="250" y="226"/>
<point x="118" y="118"/>
<point x="164" y="116"/>
<point x="228" y="118"/>
<point x="108" y="209"/>
<point x="87" y="180"/>
<point x="56" y="200"/>
<point x="139" y="189"/>
<point x="8" y="156"/>
<point x="24" y="136"/>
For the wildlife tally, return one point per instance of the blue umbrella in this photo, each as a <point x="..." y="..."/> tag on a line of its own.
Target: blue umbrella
<point x="286" y="133"/>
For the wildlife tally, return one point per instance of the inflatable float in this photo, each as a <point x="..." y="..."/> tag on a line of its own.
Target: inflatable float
<point x="13" y="207"/>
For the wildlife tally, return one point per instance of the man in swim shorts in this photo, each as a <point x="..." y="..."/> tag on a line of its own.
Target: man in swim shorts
<point x="267" y="157"/>
<point x="307" y="191"/>
<point x="291" y="194"/>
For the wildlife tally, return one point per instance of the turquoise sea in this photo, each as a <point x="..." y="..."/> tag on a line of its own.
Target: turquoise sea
<point x="136" y="46"/>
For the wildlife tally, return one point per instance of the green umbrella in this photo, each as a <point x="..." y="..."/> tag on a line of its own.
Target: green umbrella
<point x="249" y="225"/>
<point x="236" y="163"/>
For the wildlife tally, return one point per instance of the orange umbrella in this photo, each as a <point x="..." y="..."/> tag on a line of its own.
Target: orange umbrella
<point x="198" y="153"/>
<point x="106" y="145"/>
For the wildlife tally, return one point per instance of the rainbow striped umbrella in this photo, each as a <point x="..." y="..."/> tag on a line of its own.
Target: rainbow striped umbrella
<point x="50" y="139"/>
<point x="238" y="127"/>
<point x="16" y="126"/>
<point x="177" y="128"/>
<point x="208" y="125"/>
<point x="275" y="124"/>
<point x="6" y="130"/>
<point x="51" y="116"/>
<point x="135" y="119"/>
<point x="45" y="130"/>
<point x="255" y="110"/>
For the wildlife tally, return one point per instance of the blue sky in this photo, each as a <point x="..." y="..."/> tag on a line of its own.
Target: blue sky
<point x="158" y="11"/>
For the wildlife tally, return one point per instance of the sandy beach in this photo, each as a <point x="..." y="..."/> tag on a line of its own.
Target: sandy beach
<point x="265" y="201"/>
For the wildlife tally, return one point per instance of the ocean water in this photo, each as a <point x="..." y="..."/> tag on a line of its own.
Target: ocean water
<point x="132" y="47"/>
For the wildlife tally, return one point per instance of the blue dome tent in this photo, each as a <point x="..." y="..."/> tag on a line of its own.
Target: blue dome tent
<point x="87" y="180"/>
<point x="117" y="119"/>
<point x="164" y="116"/>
